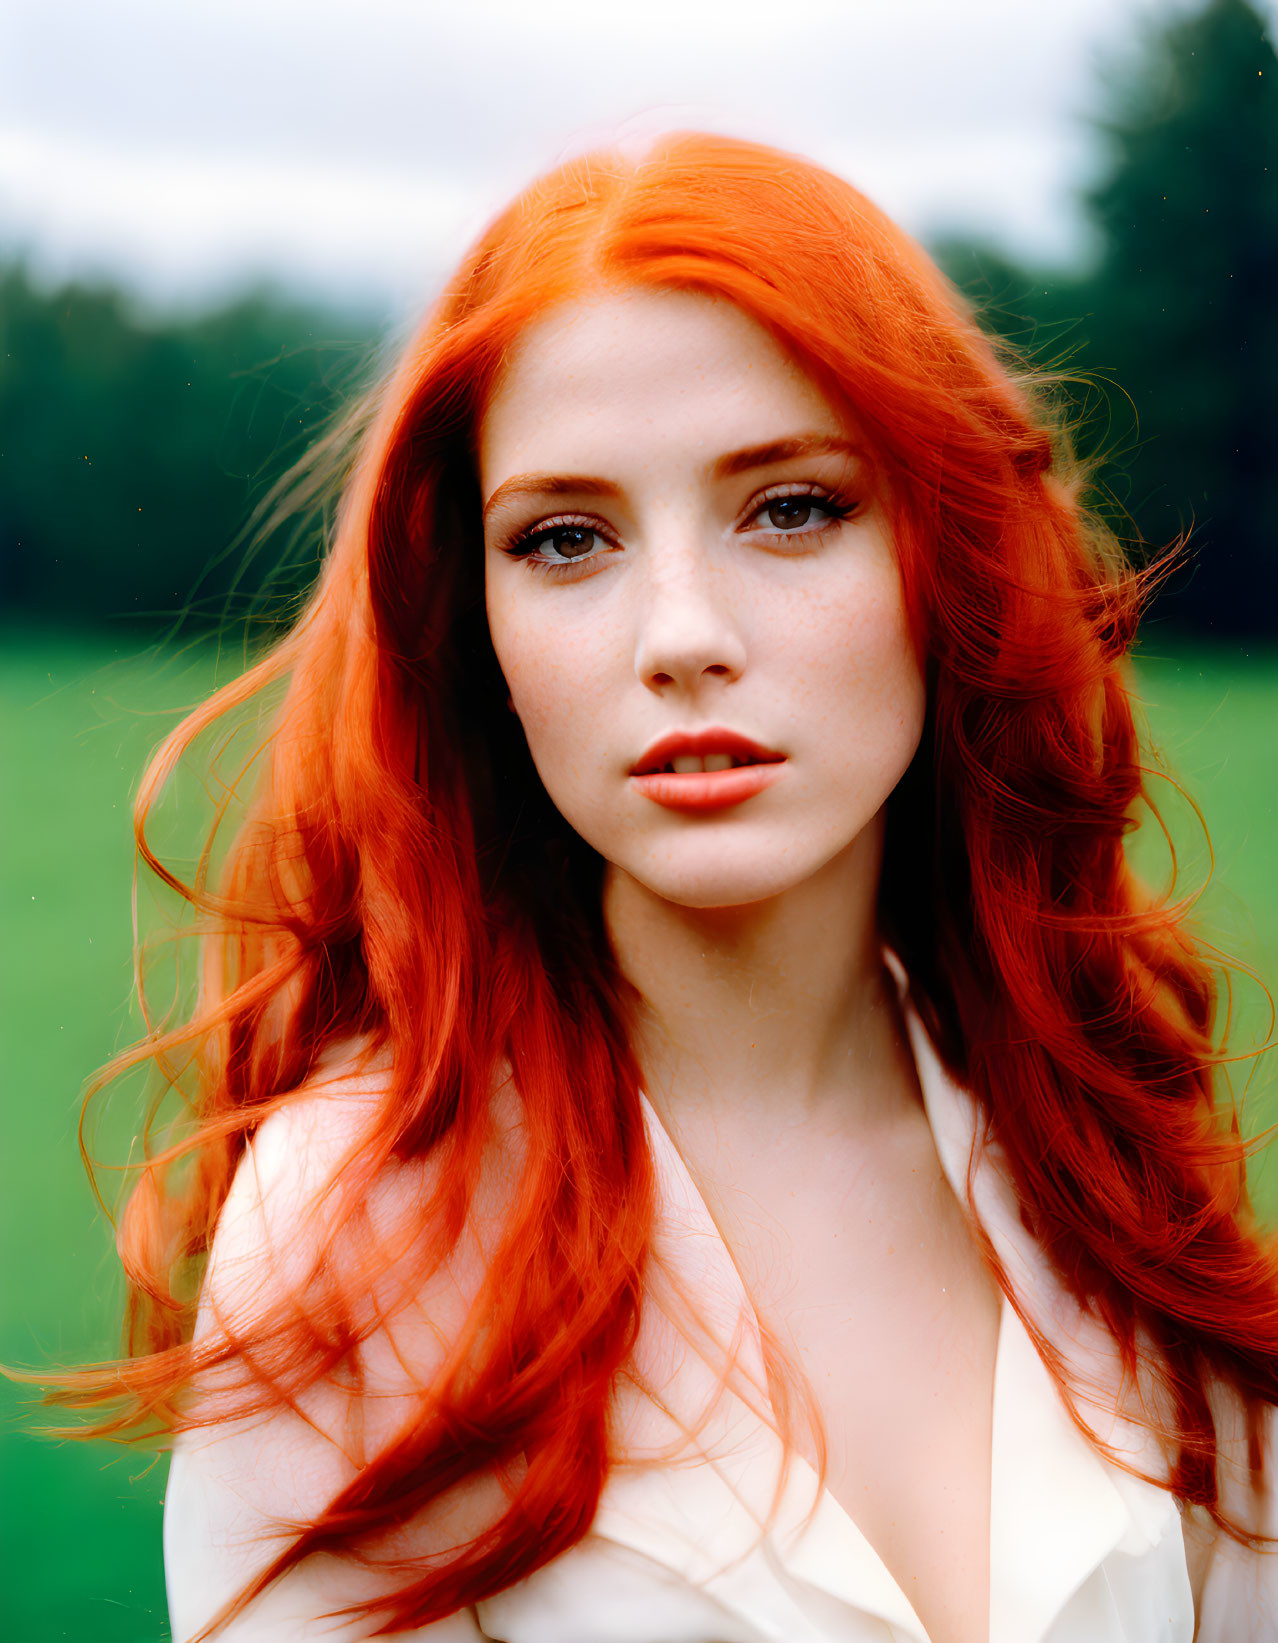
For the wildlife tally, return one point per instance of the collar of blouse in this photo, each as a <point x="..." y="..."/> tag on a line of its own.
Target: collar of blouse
<point x="1058" y="1510"/>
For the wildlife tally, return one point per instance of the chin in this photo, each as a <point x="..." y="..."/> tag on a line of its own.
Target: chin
<point x="716" y="882"/>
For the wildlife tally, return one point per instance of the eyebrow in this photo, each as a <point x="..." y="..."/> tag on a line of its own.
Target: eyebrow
<point x="723" y="467"/>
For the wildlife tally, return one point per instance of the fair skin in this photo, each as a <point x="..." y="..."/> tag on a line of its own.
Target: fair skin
<point x="795" y="637"/>
<point x="689" y="586"/>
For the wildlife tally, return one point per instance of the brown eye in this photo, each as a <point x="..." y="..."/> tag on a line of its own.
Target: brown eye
<point x="789" y="511"/>
<point x="802" y="514"/>
<point x="569" y="541"/>
<point x="559" y="543"/>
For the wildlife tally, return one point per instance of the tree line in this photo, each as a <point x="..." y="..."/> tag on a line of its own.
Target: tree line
<point x="133" y="450"/>
<point x="1168" y="342"/>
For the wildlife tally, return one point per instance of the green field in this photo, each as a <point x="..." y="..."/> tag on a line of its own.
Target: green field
<point x="79" y="1525"/>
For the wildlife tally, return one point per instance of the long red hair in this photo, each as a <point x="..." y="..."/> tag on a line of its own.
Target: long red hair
<point x="387" y="888"/>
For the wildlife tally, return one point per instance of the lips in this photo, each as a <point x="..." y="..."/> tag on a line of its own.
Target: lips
<point x="705" y="770"/>
<point x="714" y="744"/>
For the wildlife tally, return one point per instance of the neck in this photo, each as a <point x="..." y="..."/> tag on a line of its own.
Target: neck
<point x="780" y="1008"/>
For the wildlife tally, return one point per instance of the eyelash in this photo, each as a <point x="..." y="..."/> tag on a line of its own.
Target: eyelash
<point x="522" y="544"/>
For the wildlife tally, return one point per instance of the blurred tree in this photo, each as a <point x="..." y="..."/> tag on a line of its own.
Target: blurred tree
<point x="131" y="453"/>
<point x="1184" y="302"/>
<point x="1175" y="327"/>
<point x="1047" y="319"/>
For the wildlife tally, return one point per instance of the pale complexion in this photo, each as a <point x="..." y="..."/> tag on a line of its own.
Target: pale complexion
<point x="751" y="932"/>
<point x="652" y="568"/>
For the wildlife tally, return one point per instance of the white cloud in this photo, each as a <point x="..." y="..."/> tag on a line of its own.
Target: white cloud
<point x="203" y="223"/>
<point x="358" y="146"/>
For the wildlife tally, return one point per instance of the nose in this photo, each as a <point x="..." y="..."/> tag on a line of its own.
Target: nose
<point x="688" y="628"/>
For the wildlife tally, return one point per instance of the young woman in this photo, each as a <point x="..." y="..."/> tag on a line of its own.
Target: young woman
<point x="700" y="1135"/>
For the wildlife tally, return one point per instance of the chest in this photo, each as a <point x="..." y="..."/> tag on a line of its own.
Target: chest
<point x="862" y="1265"/>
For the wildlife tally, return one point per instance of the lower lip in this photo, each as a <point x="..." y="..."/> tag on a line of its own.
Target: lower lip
<point x="705" y="790"/>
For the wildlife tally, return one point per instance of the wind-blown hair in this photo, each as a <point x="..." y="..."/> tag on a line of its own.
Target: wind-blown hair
<point x="403" y="883"/>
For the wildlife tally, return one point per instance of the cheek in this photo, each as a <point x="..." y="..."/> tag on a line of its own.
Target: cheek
<point x="556" y="676"/>
<point x="857" y="676"/>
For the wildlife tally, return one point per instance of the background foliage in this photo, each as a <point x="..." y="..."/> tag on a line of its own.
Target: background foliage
<point x="132" y="449"/>
<point x="1171" y="334"/>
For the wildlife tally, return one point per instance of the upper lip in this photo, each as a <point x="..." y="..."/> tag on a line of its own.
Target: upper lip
<point x="702" y="743"/>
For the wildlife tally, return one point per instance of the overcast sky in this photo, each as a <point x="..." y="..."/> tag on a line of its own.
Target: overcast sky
<point x="353" y="147"/>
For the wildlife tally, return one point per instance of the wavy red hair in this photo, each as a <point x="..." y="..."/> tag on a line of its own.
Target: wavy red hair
<point x="387" y="888"/>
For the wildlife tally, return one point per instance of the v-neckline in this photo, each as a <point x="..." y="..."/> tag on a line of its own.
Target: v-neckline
<point x="1056" y="1509"/>
<point x="866" y="1579"/>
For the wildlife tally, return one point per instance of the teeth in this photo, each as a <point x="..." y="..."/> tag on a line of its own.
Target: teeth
<point x="693" y="764"/>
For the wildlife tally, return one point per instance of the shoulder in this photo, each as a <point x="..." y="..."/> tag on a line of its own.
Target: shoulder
<point x="291" y="1164"/>
<point x="319" y="1195"/>
<point x="322" y="1329"/>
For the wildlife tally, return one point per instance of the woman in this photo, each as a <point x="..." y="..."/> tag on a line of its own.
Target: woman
<point x="700" y="1134"/>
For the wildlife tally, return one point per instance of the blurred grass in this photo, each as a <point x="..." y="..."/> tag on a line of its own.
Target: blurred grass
<point x="79" y="1525"/>
<point x="1213" y="720"/>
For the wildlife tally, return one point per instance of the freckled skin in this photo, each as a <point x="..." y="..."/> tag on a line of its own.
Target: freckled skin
<point x="686" y="619"/>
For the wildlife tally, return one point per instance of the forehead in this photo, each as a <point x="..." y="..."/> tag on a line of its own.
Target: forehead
<point x="644" y="368"/>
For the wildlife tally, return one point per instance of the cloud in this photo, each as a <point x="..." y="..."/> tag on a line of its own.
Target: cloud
<point x="359" y="147"/>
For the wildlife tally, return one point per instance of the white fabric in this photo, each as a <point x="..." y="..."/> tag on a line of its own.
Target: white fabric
<point x="1080" y="1551"/>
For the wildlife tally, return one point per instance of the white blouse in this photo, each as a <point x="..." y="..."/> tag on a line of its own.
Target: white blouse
<point x="1080" y="1551"/>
